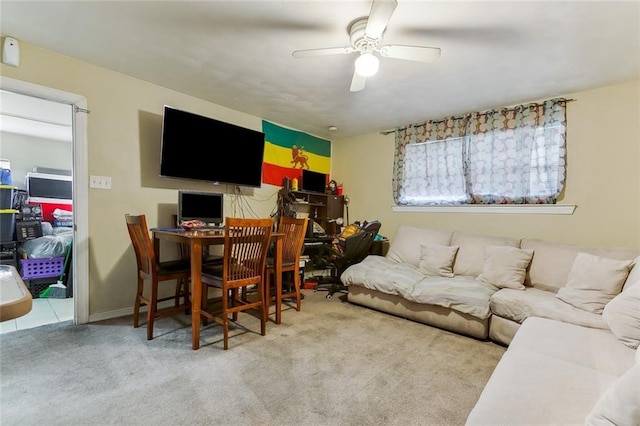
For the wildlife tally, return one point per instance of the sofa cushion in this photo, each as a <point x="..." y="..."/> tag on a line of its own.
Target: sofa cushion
<point x="552" y="262"/>
<point x="382" y="274"/>
<point x="634" y="275"/>
<point x="463" y="294"/>
<point x="470" y="258"/>
<point x="575" y="344"/>
<point x="405" y="245"/>
<point x="620" y="404"/>
<point x="593" y="281"/>
<point x="622" y="315"/>
<point x="552" y="373"/>
<point x="437" y="260"/>
<point x="505" y="267"/>
<point x="518" y="305"/>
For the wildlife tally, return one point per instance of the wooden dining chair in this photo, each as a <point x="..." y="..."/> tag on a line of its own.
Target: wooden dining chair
<point x="294" y="231"/>
<point x="149" y="269"/>
<point x="246" y="242"/>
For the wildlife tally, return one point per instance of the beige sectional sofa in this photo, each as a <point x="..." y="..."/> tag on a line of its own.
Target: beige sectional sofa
<point x="570" y="316"/>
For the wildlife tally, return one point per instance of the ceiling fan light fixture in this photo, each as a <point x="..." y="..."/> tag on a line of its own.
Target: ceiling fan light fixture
<point x="367" y="65"/>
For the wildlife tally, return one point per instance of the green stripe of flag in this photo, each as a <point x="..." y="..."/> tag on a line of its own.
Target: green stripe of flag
<point x="286" y="138"/>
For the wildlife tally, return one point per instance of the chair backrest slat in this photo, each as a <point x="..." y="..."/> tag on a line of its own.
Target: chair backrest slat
<point x="294" y="231"/>
<point x="246" y="244"/>
<point x="142" y="245"/>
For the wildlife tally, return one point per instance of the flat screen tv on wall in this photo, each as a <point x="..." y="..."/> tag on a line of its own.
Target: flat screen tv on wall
<point x="202" y="148"/>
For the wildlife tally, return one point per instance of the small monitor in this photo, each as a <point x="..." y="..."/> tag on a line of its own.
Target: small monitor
<point x="313" y="181"/>
<point x="205" y="206"/>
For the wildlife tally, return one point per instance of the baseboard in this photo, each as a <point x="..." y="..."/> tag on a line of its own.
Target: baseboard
<point x="124" y="312"/>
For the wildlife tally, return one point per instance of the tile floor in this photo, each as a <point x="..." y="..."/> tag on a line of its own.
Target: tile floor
<point x="44" y="311"/>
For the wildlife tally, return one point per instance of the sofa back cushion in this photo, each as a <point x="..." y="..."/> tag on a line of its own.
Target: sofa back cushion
<point x="551" y="263"/>
<point x="405" y="245"/>
<point x="622" y="315"/>
<point x="619" y="404"/>
<point x="471" y="253"/>
<point x="634" y="276"/>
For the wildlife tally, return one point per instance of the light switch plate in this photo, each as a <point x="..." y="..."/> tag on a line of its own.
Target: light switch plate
<point x="100" y="182"/>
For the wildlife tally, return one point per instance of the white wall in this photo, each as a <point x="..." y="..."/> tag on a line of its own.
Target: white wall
<point x="26" y="152"/>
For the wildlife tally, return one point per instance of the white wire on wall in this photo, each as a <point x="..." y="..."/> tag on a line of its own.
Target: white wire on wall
<point x="241" y="206"/>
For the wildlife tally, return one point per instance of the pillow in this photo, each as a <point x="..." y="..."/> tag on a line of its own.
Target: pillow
<point x="437" y="260"/>
<point x="622" y="315"/>
<point x="593" y="281"/>
<point x="619" y="404"/>
<point x="505" y="266"/>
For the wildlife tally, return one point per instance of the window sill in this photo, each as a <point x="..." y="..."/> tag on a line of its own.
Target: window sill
<point x="560" y="209"/>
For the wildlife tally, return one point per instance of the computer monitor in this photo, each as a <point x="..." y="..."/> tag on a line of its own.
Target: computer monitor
<point x="205" y="206"/>
<point x="313" y="181"/>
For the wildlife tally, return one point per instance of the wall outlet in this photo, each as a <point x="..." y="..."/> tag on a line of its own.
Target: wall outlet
<point x="100" y="182"/>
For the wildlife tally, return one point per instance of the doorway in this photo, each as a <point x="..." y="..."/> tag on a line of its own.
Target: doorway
<point x="79" y="251"/>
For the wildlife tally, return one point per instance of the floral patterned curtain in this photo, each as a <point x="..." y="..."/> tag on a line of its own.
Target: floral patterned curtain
<point x="506" y="156"/>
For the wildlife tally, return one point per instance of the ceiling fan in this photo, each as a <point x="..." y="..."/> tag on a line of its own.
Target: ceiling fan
<point x="365" y="35"/>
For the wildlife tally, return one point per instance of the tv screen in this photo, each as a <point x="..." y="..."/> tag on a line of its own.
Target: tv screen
<point x="313" y="181"/>
<point x="201" y="148"/>
<point x="205" y="206"/>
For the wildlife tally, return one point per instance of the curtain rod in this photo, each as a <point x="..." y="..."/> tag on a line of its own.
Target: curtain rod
<point x="386" y="132"/>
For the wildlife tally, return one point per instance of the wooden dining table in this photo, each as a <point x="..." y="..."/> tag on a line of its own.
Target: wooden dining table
<point x="196" y="240"/>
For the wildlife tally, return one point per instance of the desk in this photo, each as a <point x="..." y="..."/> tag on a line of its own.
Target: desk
<point x="196" y="240"/>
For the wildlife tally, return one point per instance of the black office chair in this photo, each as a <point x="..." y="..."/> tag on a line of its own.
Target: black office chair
<point x="345" y="252"/>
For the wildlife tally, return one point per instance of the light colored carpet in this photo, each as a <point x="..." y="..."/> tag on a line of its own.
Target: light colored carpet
<point x="333" y="363"/>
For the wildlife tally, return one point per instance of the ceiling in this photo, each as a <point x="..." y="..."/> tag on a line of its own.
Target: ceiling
<point x="238" y="53"/>
<point x="28" y="115"/>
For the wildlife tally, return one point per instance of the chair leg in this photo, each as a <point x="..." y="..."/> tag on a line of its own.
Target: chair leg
<point x="234" y="297"/>
<point x="264" y="307"/>
<point x="203" y="304"/>
<point x="136" y="305"/>
<point x="177" y="294"/>
<point x="266" y="291"/>
<point x="296" y="283"/>
<point x="225" y="319"/>
<point x="151" y="309"/>
<point x="186" y="283"/>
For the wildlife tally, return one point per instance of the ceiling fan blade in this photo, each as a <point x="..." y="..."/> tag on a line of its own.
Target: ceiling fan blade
<point x="306" y="53"/>
<point x="381" y="11"/>
<point x="357" y="82"/>
<point x="411" y="53"/>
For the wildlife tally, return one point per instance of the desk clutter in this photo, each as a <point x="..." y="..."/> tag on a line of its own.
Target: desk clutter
<point x="351" y="246"/>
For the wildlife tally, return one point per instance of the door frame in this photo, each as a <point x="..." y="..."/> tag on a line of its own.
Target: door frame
<point x="80" y="248"/>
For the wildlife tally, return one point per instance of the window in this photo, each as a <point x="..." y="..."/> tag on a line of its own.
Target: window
<point x="506" y="156"/>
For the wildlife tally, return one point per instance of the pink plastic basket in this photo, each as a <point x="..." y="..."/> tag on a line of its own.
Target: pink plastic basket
<point x="42" y="268"/>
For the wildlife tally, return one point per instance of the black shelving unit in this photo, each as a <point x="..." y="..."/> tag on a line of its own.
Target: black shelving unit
<point x="9" y="253"/>
<point x="323" y="208"/>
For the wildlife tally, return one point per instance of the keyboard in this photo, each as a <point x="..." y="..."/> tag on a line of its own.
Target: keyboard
<point x="314" y="243"/>
<point x="319" y="239"/>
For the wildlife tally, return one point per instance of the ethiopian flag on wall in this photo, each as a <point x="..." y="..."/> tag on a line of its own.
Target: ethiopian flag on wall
<point x="287" y="152"/>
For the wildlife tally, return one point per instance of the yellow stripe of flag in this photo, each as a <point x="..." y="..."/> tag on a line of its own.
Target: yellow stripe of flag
<point x="278" y="155"/>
